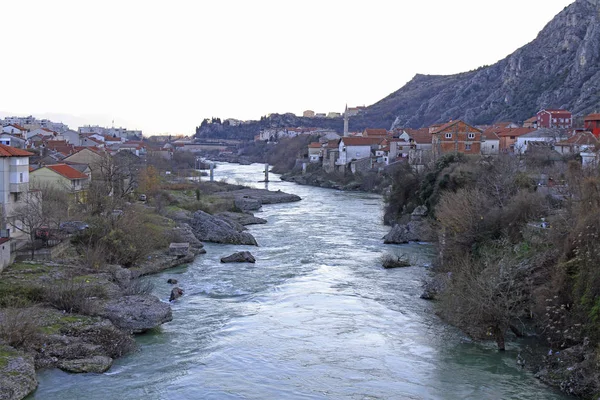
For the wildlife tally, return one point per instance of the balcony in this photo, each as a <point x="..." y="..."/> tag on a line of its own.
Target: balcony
<point x="21" y="187"/>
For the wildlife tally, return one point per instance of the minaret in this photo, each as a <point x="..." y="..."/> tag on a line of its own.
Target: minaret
<point x="346" y="121"/>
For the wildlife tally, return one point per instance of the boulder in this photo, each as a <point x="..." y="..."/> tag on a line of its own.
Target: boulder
<point x="172" y="281"/>
<point x="176" y="293"/>
<point x="96" y="364"/>
<point x="209" y="228"/>
<point x="245" y="203"/>
<point x="241" y="218"/>
<point x="136" y="314"/>
<point x="179" y="249"/>
<point x="183" y="233"/>
<point x="17" y="374"/>
<point x="414" y="231"/>
<point x="240" y="256"/>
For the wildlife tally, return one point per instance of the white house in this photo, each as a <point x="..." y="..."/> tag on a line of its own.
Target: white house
<point x="14" y="186"/>
<point x="43" y="132"/>
<point x="11" y="140"/>
<point x="546" y="135"/>
<point x="72" y="137"/>
<point x="490" y="143"/>
<point x="354" y="148"/>
<point x="14" y="129"/>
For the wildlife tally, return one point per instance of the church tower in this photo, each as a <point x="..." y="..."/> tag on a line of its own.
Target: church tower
<point x="346" y="121"/>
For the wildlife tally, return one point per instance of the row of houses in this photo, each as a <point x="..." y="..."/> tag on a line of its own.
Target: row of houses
<point x="376" y="148"/>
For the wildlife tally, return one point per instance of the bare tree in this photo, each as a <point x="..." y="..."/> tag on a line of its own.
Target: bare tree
<point x="28" y="217"/>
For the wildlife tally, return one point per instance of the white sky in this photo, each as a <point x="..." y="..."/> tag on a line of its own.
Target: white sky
<point x="163" y="66"/>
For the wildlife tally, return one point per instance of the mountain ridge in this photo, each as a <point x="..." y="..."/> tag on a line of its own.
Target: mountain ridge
<point x="560" y="68"/>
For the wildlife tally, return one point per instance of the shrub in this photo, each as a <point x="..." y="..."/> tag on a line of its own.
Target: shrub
<point x="17" y="328"/>
<point x="73" y="297"/>
<point x="390" y="261"/>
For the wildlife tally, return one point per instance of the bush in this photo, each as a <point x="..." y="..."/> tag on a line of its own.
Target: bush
<point x="390" y="261"/>
<point x="17" y="328"/>
<point x="137" y="287"/>
<point x="73" y="297"/>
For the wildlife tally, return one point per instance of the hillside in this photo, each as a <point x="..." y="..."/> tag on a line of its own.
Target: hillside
<point x="560" y="68"/>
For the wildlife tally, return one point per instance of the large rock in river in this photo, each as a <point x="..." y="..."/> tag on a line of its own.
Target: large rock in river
<point x="17" y="374"/>
<point x="136" y="314"/>
<point x="418" y="229"/>
<point x="209" y="228"/>
<point x="241" y="218"/>
<point x="240" y="256"/>
<point x="97" y="364"/>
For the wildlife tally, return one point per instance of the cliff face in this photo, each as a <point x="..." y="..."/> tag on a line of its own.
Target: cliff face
<point x="559" y="69"/>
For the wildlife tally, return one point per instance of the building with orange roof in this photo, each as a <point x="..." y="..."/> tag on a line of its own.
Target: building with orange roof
<point x="370" y="132"/>
<point x="15" y="129"/>
<point x="355" y="148"/>
<point x="530" y="122"/>
<point x="581" y="141"/>
<point x="64" y="177"/>
<point x="456" y="137"/>
<point x="507" y="137"/>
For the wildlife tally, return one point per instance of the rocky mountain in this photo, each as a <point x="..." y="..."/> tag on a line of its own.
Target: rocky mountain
<point x="559" y="69"/>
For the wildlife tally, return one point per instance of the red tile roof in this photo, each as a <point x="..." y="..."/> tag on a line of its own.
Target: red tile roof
<point x="314" y="145"/>
<point x="450" y="124"/>
<point x="420" y="136"/>
<point x="368" y="132"/>
<point x="555" y="111"/>
<point x="532" y="119"/>
<point x="19" y="127"/>
<point x="580" y="138"/>
<point x="4" y="240"/>
<point x="7" y="151"/>
<point x="67" y="171"/>
<point x="509" y="131"/>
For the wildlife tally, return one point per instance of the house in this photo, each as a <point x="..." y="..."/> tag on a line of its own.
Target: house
<point x="531" y="122"/>
<point x="592" y="124"/>
<point x="14" y="129"/>
<point x="5" y="253"/>
<point x="456" y="137"/>
<point x="420" y="139"/>
<point x="380" y="133"/>
<point x="63" y="176"/>
<point x="315" y="152"/>
<point x="330" y="154"/>
<point x="551" y="118"/>
<point x="490" y="144"/>
<point x="14" y="187"/>
<point x="582" y="141"/>
<point x="507" y="137"/>
<point x="549" y="136"/>
<point x="355" y="148"/>
<point x="91" y="156"/>
<point x="88" y="141"/>
<point x="11" y="140"/>
<point x="72" y="137"/>
<point x="308" y="114"/>
<point x="43" y="132"/>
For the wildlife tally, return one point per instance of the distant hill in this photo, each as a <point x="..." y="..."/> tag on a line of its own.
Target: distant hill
<point x="559" y="69"/>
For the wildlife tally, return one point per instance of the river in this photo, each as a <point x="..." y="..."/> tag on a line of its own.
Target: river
<point x="315" y="318"/>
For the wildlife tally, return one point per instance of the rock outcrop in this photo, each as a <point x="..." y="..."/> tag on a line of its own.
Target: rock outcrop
<point x="241" y="218"/>
<point x="137" y="313"/>
<point x="17" y="374"/>
<point x="97" y="364"/>
<point x="176" y="293"/>
<point x="262" y="196"/>
<point x="209" y="228"/>
<point x="418" y="229"/>
<point x="239" y="257"/>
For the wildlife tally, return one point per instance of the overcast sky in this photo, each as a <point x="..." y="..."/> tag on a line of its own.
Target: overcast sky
<point x="163" y="66"/>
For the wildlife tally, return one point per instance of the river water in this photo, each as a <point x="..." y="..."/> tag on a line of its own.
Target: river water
<point x="315" y="318"/>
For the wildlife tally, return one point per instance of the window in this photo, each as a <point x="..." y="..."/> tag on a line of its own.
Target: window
<point x="21" y="177"/>
<point x="467" y="147"/>
<point x="562" y="120"/>
<point x="471" y="135"/>
<point x="448" y="136"/>
<point x="553" y="119"/>
<point x="512" y="137"/>
<point x="492" y="146"/>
